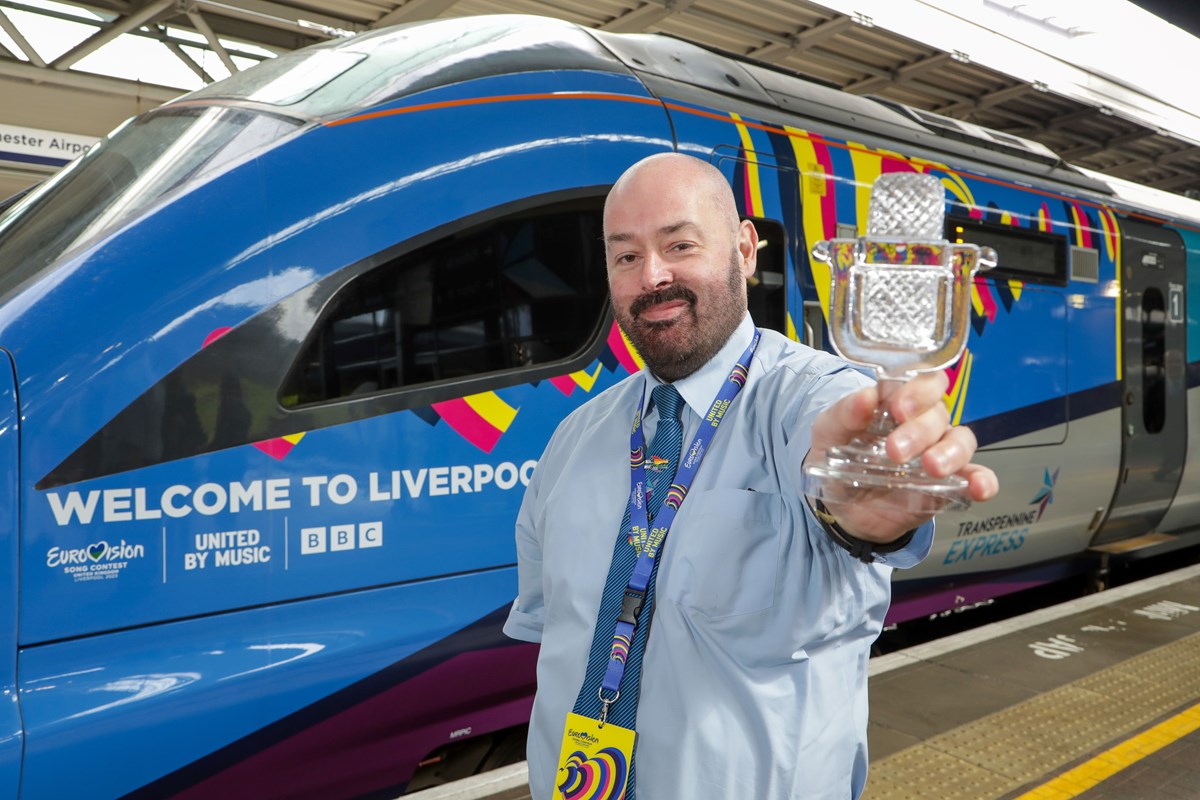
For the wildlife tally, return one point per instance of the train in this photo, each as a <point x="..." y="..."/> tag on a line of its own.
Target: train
<point x="279" y="356"/>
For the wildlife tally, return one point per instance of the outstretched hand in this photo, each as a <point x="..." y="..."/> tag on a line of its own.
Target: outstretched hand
<point x="923" y="430"/>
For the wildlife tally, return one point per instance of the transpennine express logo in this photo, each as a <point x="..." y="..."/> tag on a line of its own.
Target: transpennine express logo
<point x="1045" y="496"/>
<point x="599" y="778"/>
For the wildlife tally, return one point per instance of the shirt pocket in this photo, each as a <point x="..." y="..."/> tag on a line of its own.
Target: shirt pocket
<point x="723" y="552"/>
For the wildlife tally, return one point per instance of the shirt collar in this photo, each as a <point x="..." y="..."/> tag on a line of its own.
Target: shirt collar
<point x="700" y="388"/>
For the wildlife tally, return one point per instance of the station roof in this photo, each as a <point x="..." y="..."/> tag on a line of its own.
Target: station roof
<point x="998" y="63"/>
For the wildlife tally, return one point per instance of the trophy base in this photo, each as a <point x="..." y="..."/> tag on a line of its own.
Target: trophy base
<point x="862" y="472"/>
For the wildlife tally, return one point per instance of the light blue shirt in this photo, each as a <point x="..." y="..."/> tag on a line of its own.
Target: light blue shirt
<point x="754" y="682"/>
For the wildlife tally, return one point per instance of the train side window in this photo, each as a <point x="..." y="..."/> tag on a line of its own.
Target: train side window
<point x="518" y="291"/>
<point x="766" y="289"/>
<point x="1024" y="254"/>
<point x="1154" y="367"/>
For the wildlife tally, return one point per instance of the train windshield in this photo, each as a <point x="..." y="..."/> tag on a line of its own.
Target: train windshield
<point x="124" y="174"/>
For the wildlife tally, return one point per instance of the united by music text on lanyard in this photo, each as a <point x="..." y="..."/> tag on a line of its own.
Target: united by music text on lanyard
<point x="608" y="747"/>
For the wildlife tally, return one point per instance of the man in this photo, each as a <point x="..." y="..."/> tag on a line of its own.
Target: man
<point x="753" y="684"/>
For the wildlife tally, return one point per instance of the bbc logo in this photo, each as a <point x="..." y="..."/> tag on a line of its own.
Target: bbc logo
<point x="341" y="537"/>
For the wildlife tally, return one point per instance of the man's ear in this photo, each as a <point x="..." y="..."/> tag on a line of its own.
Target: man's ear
<point x="748" y="247"/>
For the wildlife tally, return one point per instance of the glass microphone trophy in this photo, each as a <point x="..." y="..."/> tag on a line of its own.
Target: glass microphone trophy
<point x="901" y="300"/>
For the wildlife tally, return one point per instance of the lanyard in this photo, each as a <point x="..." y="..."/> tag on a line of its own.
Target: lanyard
<point x="647" y="540"/>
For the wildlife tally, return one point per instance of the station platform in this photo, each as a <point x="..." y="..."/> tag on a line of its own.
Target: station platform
<point x="1095" y="699"/>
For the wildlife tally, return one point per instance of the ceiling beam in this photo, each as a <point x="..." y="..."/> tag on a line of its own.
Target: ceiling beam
<point x="1130" y="168"/>
<point x="1060" y="121"/>
<point x="899" y="75"/>
<point x="741" y="27"/>
<point x="988" y="100"/>
<point x="1090" y="148"/>
<point x="1179" y="181"/>
<point x="1163" y="161"/>
<point x="849" y="63"/>
<point x="118" y="27"/>
<point x="89" y="82"/>
<point x="414" y="10"/>
<point x="21" y="42"/>
<point x="1190" y="151"/>
<point x="803" y="40"/>
<point x="316" y="27"/>
<point x="1113" y="143"/>
<point x="1136" y="135"/>
<point x="187" y="60"/>
<point x="158" y="34"/>
<point x="202" y="26"/>
<point x="645" y="16"/>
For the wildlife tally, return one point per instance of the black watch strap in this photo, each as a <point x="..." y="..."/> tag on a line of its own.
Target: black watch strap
<point x="861" y="549"/>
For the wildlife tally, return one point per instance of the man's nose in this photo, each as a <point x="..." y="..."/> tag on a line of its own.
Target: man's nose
<point x="656" y="273"/>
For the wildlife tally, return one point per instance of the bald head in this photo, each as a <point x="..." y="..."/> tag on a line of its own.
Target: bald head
<point x="665" y="173"/>
<point x="658" y="178"/>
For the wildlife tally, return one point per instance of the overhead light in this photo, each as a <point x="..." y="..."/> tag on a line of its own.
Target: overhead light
<point x="1052" y="15"/>
<point x="336" y="33"/>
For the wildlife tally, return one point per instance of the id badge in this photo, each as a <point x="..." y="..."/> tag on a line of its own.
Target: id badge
<point x="594" y="761"/>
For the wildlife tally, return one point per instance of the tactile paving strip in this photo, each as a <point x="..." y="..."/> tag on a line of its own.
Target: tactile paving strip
<point x="998" y="754"/>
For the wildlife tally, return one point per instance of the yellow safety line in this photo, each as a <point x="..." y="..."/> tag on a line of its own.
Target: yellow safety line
<point x="1075" y="782"/>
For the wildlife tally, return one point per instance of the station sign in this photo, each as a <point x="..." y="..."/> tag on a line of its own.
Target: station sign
<point x="23" y="145"/>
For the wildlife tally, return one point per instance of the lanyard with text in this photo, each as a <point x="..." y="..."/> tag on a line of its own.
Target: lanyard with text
<point x="649" y="541"/>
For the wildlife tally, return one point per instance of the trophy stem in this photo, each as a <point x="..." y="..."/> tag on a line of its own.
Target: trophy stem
<point x="882" y="422"/>
<point x="862" y="470"/>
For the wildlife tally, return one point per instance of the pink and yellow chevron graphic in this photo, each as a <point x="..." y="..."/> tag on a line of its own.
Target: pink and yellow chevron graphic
<point x="599" y="778"/>
<point x="982" y="300"/>
<point x="751" y="188"/>
<point x="279" y="448"/>
<point x="960" y="381"/>
<point x="1083" y="232"/>
<point x="583" y="379"/>
<point x="1045" y="223"/>
<point x="624" y="350"/>
<point x="1108" y="221"/>
<point x="481" y="419"/>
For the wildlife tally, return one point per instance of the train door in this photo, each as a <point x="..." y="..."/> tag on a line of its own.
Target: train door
<point x="11" y="730"/>
<point x="1154" y="386"/>
<point x="755" y="182"/>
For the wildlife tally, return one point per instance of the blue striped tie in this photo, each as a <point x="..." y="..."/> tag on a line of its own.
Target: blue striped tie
<point x="668" y="439"/>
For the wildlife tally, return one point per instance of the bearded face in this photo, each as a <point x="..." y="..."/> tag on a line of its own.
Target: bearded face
<point x="708" y="312"/>
<point x="678" y="259"/>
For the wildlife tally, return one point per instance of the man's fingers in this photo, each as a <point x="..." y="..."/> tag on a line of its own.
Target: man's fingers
<point x="849" y="416"/>
<point x="919" y="433"/>
<point x="950" y="454"/>
<point x="914" y="397"/>
<point x="984" y="485"/>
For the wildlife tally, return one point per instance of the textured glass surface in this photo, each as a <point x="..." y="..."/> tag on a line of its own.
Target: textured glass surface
<point x="899" y="306"/>
<point x="909" y="205"/>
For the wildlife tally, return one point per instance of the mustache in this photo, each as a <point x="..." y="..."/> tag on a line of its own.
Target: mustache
<point x="674" y="292"/>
